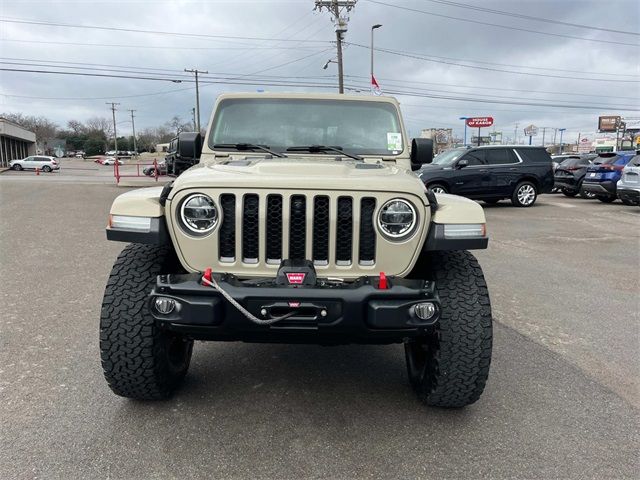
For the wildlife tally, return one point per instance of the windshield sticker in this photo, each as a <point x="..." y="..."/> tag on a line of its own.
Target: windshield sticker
<point x="394" y="141"/>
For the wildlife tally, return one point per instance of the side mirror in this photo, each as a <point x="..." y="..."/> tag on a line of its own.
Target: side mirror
<point x="462" y="163"/>
<point x="189" y="145"/>
<point x="421" y="152"/>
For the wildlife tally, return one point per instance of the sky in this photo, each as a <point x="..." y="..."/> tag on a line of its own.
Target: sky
<point x="520" y="71"/>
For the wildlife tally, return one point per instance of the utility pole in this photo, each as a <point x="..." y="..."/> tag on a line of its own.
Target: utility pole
<point x="544" y="129"/>
<point x="196" y="72"/>
<point x="374" y="27"/>
<point x="133" y="127"/>
<point x="193" y="113"/>
<point x="515" y="134"/>
<point x="336" y="7"/>
<point x="115" y="135"/>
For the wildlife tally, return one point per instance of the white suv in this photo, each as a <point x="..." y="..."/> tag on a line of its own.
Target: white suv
<point x="45" y="164"/>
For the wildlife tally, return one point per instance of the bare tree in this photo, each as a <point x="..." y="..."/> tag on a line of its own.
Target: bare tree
<point x="178" y="126"/>
<point x="44" y="128"/>
<point x="100" y="124"/>
<point x="76" y="127"/>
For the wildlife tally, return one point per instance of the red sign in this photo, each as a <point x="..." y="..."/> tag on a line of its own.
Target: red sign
<point x="295" y="278"/>
<point x="478" y="122"/>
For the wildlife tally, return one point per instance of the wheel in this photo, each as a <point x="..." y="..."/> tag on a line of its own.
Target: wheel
<point x="17" y="167"/>
<point x="606" y="198"/>
<point x="524" y="195"/>
<point x="139" y="360"/>
<point x="569" y="193"/>
<point x="449" y="367"/>
<point x="46" y="169"/>
<point x="492" y="201"/>
<point x="438" y="188"/>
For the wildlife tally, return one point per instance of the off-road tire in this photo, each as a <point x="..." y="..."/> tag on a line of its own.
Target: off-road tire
<point x="569" y="193"/>
<point x="515" y="198"/>
<point x="139" y="360"/>
<point x="449" y="367"/>
<point x="606" y="199"/>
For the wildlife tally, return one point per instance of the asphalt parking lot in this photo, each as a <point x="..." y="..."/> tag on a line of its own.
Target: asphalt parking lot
<point x="561" y="401"/>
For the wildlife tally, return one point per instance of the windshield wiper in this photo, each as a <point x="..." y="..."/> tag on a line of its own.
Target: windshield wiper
<point x="249" y="146"/>
<point x="323" y="148"/>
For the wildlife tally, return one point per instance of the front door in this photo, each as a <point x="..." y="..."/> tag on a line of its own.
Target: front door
<point x="472" y="180"/>
<point x="504" y="168"/>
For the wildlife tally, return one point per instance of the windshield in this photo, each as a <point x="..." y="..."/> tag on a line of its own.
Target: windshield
<point x="358" y="127"/>
<point x="449" y="157"/>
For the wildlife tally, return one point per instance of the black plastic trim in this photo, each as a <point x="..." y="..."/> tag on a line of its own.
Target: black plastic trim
<point x="325" y="313"/>
<point x="157" y="235"/>
<point x="437" y="241"/>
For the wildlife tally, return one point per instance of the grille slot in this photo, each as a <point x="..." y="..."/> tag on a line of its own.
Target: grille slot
<point x="367" y="253"/>
<point x="344" y="231"/>
<point x="228" y="228"/>
<point x="274" y="229"/>
<point x="297" y="227"/>
<point x="314" y="227"/>
<point x="321" y="230"/>
<point x="250" y="229"/>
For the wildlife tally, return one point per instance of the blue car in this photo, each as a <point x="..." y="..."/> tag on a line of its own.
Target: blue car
<point x="603" y="175"/>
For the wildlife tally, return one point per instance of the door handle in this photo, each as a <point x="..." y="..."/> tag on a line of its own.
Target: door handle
<point x="484" y="171"/>
<point x="513" y="169"/>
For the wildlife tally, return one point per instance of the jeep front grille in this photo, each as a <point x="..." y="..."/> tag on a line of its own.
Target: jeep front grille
<point x="298" y="227"/>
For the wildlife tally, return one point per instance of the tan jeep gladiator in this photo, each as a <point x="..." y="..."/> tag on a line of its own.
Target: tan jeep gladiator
<point x="301" y="221"/>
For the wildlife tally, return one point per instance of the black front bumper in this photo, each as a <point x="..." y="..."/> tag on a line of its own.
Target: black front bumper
<point x="329" y="312"/>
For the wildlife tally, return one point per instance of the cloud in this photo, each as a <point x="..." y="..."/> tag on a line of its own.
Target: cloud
<point x="296" y="58"/>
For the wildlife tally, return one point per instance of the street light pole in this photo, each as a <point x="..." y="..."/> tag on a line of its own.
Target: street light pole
<point x="377" y="25"/>
<point x="465" y="129"/>
<point x="561" y="130"/>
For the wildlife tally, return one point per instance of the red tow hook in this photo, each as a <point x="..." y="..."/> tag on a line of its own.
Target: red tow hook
<point x="382" y="283"/>
<point x="207" y="276"/>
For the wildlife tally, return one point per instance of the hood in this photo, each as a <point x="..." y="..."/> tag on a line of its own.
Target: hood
<point x="431" y="167"/>
<point x="306" y="173"/>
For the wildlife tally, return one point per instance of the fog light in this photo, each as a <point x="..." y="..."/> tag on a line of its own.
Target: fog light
<point x="165" y="305"/>
<point x="425" y="310"/>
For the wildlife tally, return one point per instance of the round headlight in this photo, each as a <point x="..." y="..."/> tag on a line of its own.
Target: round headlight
<point x="397" y="219"/>
<point x="199" y="214"/>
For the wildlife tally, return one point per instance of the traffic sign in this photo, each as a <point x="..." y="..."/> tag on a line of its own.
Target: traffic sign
<point x="479" y="122"/>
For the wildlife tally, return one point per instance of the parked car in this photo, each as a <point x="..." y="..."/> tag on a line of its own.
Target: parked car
<point x="603" y="175"/>
<point x="556" y="160"/>
<point x="491" y="173"/>
<point x="110" y="153"/>
<point x="111" y="161"/>
<point x="569" y="176"/>
<point x="628" y="187"/>
<point x="44" y="164"/>
<point x="150" y="169"/>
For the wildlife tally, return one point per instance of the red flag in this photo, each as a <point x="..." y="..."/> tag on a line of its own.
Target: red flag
<point x="375" y="87"/>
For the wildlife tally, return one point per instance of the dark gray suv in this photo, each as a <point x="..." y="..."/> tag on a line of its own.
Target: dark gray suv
<point x="491" y="173"/>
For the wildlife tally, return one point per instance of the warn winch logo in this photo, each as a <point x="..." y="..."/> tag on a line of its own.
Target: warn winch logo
<point x="295" y="278"/>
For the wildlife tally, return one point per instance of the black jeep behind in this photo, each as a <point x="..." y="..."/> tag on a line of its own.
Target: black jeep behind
<point x="491" y="173"/>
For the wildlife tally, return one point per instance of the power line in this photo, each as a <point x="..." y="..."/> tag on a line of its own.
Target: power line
<point x="415" y="10"/>
<point x="154" y="32"/>
<point x="388" y="80"/>
<point x="160" y="47"/>
<point x="419" y="56"/>
<point x="467" y="6"/>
